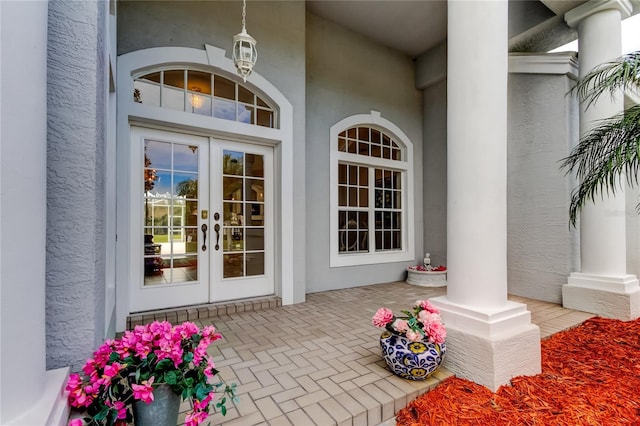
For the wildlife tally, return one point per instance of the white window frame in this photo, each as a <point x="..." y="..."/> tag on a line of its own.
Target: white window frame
<point x="405" y="165"/>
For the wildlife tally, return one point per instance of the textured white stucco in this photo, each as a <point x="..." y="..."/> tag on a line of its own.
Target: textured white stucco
<point x="623" y="305"/>
<point x="542" y="248"/>
<point x="76" y="245"/>
<point x="492" y="362"/>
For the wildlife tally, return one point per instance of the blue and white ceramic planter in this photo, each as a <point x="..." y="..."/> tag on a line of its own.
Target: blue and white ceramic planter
<point x="411" y="360"/>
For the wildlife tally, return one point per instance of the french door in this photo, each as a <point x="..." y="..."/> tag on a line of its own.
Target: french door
<point x="202" y="227"/>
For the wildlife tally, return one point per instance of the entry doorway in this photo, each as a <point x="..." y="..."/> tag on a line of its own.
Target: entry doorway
<point x="205" y="228"/>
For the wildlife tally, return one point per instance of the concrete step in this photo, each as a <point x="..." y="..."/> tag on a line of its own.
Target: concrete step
<point x="211" y="310"/>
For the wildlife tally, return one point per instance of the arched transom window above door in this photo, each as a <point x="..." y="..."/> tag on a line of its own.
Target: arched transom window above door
<point x="203" y="93"/>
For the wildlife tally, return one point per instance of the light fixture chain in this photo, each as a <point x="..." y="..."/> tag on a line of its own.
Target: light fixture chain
<point x="244" y="13"/>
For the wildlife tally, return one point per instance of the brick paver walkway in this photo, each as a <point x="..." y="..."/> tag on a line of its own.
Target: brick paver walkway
<point x="319" y="363"/>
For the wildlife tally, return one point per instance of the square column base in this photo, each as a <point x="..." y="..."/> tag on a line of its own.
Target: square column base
<point x="611" y="297"/>
<point x="493" y="345"/>
<point x="52" y="409"/>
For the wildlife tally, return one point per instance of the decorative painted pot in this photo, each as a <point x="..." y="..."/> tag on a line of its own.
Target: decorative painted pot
<point x="163" y="411"/>
<point x="411" y="360"/>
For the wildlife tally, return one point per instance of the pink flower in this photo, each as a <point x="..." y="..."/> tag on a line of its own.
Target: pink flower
<point x="425" y="317"/>
<point x="209" y="332"/>
<point x="143" y="392"/>
<point x="382" y="317"/>
<point x="119" y="407"/>
<point x="195" y="418"/>
<point x="427" y="306"/>
<point x="75" y="422"/>
<point x="414" y="336"/>
<point x="208" y="371"/>
<point x="400" y="325"/>
<point x="436" y="331"/>
<point x="200" y="351"/>
<point x="189" y="329"/>
<point x="202" y="405"/>
<point x="74" y="382"/>
<point x="112" y="370"/>
<point x="89" y="366"/>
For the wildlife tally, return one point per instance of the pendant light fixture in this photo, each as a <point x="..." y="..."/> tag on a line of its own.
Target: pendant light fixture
<point x="244" y="48"/>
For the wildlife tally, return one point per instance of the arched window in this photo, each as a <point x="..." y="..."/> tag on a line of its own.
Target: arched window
<point x="203" y="93"/>
<point x="371" y="193"/>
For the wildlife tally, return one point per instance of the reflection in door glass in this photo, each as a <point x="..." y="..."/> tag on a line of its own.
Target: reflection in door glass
<point x="243" y="214"/>
<point x="171" y="176"/>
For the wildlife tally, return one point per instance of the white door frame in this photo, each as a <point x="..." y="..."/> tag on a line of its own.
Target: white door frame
<point x="130" y="113"/>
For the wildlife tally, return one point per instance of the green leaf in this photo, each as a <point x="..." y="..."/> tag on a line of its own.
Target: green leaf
<point x="188" y="357"/>
<point x="165" y="364"/>
<point x="201" y="391"/>
<point x="171" y="378"/>
<point x="102" y="414"/>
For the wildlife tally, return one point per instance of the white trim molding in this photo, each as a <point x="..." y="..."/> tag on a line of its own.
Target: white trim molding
<point x="373" y="119"/>
<point x="561" y="63"/>
<point x="215" y="60"/>
<point x="575" y="16"/>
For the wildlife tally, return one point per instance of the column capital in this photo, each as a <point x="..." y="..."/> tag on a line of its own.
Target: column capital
<point x="576" y="15"/>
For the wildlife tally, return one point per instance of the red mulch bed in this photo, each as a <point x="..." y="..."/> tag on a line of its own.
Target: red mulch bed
<point x="590" y="376"/>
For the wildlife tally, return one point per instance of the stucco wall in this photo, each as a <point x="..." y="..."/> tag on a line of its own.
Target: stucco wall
<point x="348" y="74"/>
<point x="435" y="171"/>
<point x="542" y="249"/>
<point x="278" y="27"/>
<point x="75" y="182"/>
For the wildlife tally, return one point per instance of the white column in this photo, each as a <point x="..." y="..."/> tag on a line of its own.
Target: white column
<point x="489" y="338"/>
<point x="603" y="285"/>
<point x="29" y="395"/>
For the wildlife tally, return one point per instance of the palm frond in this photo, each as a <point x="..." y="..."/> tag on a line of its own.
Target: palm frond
<point x="601" y="159"/>
<point x="622" y="73"/>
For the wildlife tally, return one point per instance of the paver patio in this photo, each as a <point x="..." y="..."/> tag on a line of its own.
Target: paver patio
<point x="319" y="362"/>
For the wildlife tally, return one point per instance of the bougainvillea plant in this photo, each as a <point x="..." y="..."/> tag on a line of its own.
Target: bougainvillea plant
<point x="423" y="321"/>
<point x="127" y="369"/>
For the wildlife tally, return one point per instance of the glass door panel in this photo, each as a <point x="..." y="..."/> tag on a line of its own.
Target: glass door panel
<point x="173" y="263"/>
<point x="170" y="239"/>
<point x="243" y="242"/>
<point x="246" y="225"/>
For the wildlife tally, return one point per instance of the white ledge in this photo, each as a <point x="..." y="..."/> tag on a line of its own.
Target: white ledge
<point x="561" y="63"/>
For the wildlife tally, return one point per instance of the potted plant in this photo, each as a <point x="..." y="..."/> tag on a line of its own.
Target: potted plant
<point x="426" y="274"/>
<point x="412" y="345"/>
<point x="156" y="362"/>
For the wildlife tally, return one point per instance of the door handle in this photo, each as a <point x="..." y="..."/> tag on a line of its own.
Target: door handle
<point x="204" y="228"/>
<point x="216" y="228"/>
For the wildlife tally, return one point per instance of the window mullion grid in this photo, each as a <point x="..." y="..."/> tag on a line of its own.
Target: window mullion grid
<point x="213" y="96"/>
<point x="161" y="87"/>
<point x="371" y="210"/>
<point x="185" y="90"/>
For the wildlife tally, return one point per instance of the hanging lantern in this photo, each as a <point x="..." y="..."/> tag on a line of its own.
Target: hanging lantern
<point x="244" y="49"/>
